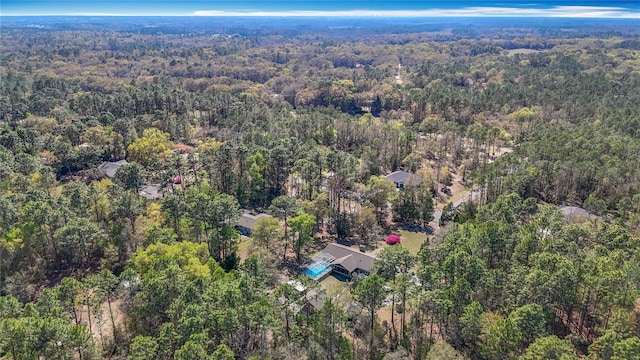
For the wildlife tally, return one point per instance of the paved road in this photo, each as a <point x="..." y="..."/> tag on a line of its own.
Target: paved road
<point x="469" y="195"/>
<point x="437" y="214"/>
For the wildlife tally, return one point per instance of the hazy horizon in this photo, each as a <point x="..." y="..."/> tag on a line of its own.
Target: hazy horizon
<point x="307" y="8"/>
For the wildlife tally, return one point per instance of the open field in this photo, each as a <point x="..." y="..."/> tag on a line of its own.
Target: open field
<point x="522" y="51"/>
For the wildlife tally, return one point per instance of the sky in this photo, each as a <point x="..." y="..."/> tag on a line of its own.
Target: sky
<point x="407" y="8"/>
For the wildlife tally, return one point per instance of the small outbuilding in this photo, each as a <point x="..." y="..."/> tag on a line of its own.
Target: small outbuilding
<point x="313" y="301"/>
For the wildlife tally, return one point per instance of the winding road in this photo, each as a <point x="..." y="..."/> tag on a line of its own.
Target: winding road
<point x="469" y="194"/>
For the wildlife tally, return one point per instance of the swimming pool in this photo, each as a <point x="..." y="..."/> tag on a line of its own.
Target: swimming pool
<point x="319" y="266"/>
<point x="317" y="270"/>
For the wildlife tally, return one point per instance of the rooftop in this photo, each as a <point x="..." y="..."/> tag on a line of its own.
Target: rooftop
<point x="109" y="168"/>
<point x="348" y="258"/>
<point x="151" y="192"/>
<point x="573" y="212"/>
<point x="316" y="298"/>
<point x="248" y="220"/>
<point x="403" y="177"/>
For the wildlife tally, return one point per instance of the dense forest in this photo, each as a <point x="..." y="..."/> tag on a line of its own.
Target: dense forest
<point x="501" y="124"/>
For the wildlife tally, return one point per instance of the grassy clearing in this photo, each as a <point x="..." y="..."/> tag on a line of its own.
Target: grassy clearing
<point x="244" y="246"/>
<point x="412" y="240"/>
<point x="337" y="290"/>
<point x="384" y="314"/>
<point x="522" y="51"/>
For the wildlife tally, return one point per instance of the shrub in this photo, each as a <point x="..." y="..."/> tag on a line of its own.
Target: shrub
<point x="392" y="240"/>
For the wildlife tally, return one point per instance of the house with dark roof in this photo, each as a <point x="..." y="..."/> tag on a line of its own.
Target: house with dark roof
<point x="109" y="168"/>
<point x="247" y="222"/>
<point x="348" y="261"/>
<point x="404" y="179"/>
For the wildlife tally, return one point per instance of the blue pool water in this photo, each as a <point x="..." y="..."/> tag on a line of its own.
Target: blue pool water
<point x="317" y="269"/>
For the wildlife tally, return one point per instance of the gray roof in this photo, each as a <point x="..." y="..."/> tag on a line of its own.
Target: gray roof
<point x="248" y="220"/>
<point x="350" y="259"/>
<point x="109" y="168"/>
<point x="403" y="177"/>
<point x="316" y="298"/>
<point x="574" y="211"/>
<point x="151" y="192"/>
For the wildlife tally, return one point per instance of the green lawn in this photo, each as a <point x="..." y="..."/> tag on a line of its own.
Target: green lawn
<point x="243" y="247"/>
<point x="412" y="240"/>
<point x="336" y="289"/>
